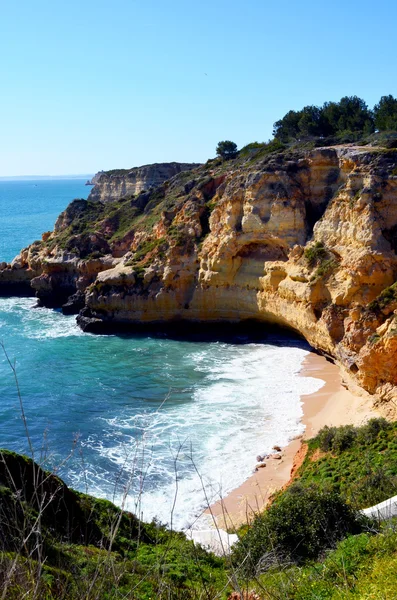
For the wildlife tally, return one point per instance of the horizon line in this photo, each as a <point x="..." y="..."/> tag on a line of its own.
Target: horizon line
<point x="60" y="176"/>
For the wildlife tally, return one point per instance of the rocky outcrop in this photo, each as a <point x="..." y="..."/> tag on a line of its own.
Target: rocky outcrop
<point x="16" y="277"/>
<point x="307" y="240"/>
<point x="113" y="185"/>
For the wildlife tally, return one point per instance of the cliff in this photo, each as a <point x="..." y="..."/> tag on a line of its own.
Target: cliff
<point x="304" y="239"/>
<point x="113" y="185"/>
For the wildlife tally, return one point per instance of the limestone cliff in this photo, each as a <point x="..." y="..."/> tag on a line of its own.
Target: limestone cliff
<point x="305" y="239"/>
<point x="113" y="185"/>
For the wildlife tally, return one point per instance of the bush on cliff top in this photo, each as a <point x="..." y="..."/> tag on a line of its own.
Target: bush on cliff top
<point x="226" y="150"/>
<point x="300" y="524"/>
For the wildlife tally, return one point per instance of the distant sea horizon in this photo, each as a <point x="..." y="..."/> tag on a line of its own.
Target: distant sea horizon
<point x="45" y="177"/>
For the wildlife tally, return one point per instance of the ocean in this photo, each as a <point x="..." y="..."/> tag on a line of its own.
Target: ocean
<point x="158" y="425"/>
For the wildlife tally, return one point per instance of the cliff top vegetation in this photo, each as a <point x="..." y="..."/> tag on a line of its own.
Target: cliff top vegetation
<point x="349" y="120"/>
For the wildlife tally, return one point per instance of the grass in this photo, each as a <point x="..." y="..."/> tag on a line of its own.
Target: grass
<point x="83" y="218"/>
<point x="255" y="151"/>
<point x="144" y="256"/>
<point x="360" y="463"/>
<point x="362" y="567"/>
<point x="145" y="248"/>
<point x="357" y="465"/>
<point x="181" y="237"/>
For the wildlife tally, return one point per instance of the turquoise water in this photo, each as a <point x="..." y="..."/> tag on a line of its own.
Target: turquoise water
<point x="137" y="419"/>
<point x="28" y="208"/>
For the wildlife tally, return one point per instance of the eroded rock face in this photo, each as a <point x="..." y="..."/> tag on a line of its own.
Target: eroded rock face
<point x="305" y="240"/>
<point x="112" y="185"/>
<point x="16" y="277"/>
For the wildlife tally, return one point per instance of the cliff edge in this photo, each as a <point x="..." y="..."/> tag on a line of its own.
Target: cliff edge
<point x="112" y="185"/>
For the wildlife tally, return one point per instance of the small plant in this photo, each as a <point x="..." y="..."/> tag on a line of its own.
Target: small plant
<point x="181" y="237"/>
<point x="387" y="296"/>
<point x="373" y="338"/>
<point x="325" y="268"/>
<point x="315" y="254"/>
<point x="354" y="198"/>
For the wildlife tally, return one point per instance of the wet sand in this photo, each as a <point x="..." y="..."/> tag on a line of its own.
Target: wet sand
<point x="333" y="404"/>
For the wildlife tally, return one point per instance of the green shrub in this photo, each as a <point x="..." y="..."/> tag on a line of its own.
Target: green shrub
<point x="326" y="437"/>
<point x="326" y="266"/>
<point x="300" y="525"/>
<point x="257" y="150"/>
<point x="315" y="254"/>
<point x="375" y="486"/>
<point x="344" y="438"/>
<point x="368" y="434"/>
<point x="373" y="338"/>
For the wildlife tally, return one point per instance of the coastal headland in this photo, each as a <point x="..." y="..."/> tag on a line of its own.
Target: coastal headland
<point x="301" y="238"/>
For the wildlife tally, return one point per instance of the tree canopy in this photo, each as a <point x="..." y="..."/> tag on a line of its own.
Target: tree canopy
<point x="385" y="114"/>
<point x="226" y="149"/>
<point x="349" y="120"/>
<point x="350" y="115"/>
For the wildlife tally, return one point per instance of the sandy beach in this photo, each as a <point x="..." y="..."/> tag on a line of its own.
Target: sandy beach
<point x="333" y="404"/>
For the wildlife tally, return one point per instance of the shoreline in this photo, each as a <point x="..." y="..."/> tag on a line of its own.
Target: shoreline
<point x="332" y="404"/>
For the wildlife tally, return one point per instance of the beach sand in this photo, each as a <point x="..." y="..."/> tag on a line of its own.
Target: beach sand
<point x="333" y="404"/>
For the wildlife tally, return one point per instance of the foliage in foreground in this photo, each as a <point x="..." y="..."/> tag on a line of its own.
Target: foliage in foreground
<point x="362" y="567"/>
<point x="58" y="543"/>
<point x="310" y="544"/>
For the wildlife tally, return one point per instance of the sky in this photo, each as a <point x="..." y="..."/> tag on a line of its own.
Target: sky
<point x="90" y="85"/>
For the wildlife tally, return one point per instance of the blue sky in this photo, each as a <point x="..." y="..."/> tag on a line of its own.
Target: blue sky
<point x="93" y="85"/>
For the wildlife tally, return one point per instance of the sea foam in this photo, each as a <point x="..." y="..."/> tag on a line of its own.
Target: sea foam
<point x="192" y="456"/>
<point x="164" y="426"/>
